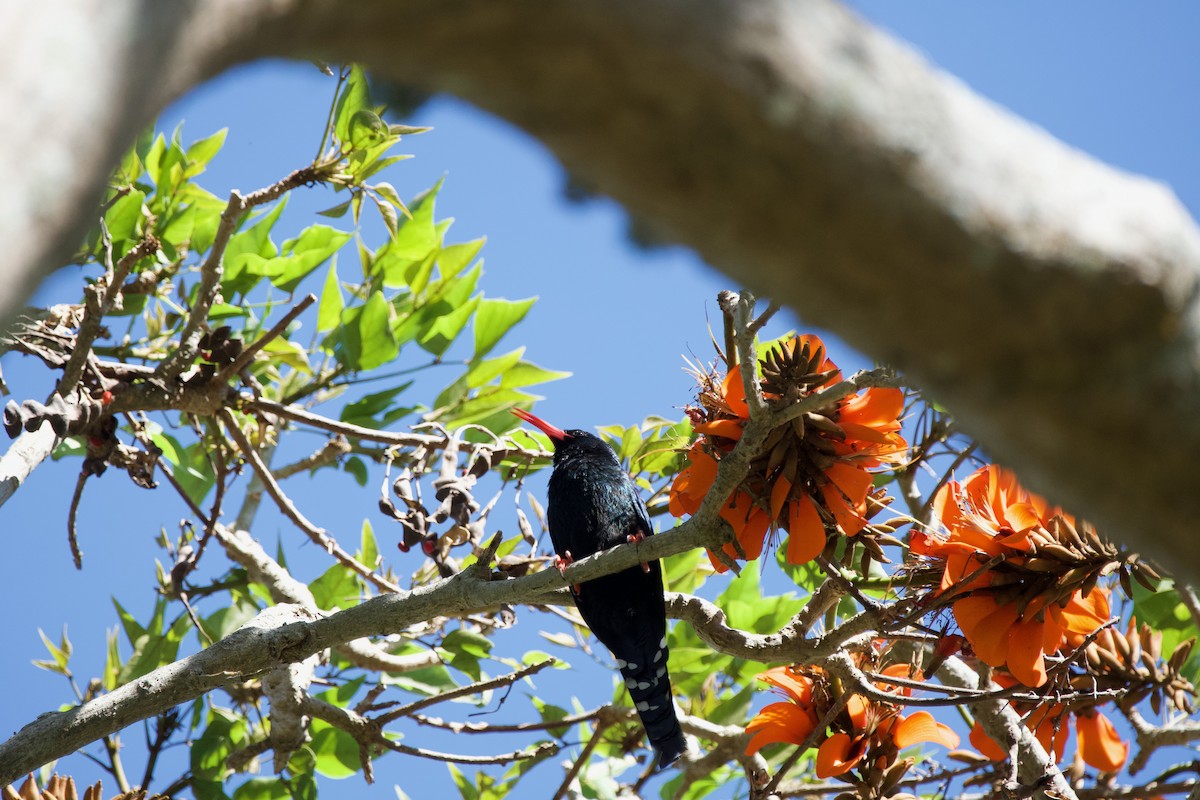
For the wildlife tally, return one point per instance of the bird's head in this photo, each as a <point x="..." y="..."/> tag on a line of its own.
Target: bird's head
<point x="567" y="443"/>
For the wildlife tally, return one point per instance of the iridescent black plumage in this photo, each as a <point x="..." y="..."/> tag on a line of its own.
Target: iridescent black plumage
<point x="593" y="505"/>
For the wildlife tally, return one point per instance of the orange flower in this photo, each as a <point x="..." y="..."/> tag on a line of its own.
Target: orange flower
<point x="1021" y="593"/>
<point x="791" y="722"/>
<point x="813" y="476"/>
<point x="863" y="729"/>
<point x="1100" y="745"/>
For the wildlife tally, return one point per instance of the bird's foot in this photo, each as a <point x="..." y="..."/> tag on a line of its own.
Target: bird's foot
<point x="634" y="538"/>
<point x="562" y="562"/>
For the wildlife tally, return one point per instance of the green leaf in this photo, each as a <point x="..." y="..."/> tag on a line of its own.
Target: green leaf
<point x="172" y="450"/>
<point x="496" y="317"/>
<point x="335" y="750"/>
<point x="225" y="621"/>
<point x="195" y="473"/>
<point x="551" y="713"/>
<point x="201" y="152"/>
<point x="336" y="212"/>
<point x="483" y="372"/>
<point x="302" y="786"/>
<point x="60" y="653"/>
<point x="538" y="656"/>
<point x="366" y="129"/>
<point x="417" y="235"/>
<point x="312" y="248"/>
<point x="389" y="193"/>
<point x="124" y="220"/>
<point x="682" y="572"/>
<point x="1164" y="611"/>
<point x="358" y="468"/>
<point x="336" y="587"/>
<point x="368" y="551"/>
<point x="454" y="258"/>
<point x="428" y="681"/>
<point x="112" y="660"/>
<point x="248" y="252"/>
<point x="466" y="789"/>
<point x="152" y="647"/>
<point x="438" y="337"/>
<point x="262" y="789"/>
<point x="529" y="374"/>
<point x="284" y="352"/>
<point x="377" y="343"/>
<point x="330" y="308"/>
<point x="354" y="98"/>
<point x="70" y="446"/>
<point x="374" y="410"/>
<point x="462" y="641"/>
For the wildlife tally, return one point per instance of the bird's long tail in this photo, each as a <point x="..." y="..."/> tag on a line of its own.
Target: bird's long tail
<point x="649" y="686"/>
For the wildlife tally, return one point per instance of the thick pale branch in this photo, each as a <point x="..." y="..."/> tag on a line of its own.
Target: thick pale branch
<point x="1035" y="767"/>
<point x="863" y="179"/>
<point x="286" y="633"/>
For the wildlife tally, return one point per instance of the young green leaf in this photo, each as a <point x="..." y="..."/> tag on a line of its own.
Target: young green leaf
<point x="495" y="318"/>
<point x="329" y="311"/>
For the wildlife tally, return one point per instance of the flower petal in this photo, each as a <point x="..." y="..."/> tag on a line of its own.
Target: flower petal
<point x="779" y="496"/>
<point x="779" y="722"/>
<point x="725" y="428"/>
<point x="1083" y="615"/>
<point x="1025" y="654"/>
<point x="806" y="532"/>
<point x="875" y="407"/>
<point x="735" y="393"/>
<point x="1099" y="744"/>
<point x="837" y="755"/>
<point x="922" y="727"/>
<point x="986" y="626"/>
<point x="986" y="745"/>
<point x="799" y="687"/>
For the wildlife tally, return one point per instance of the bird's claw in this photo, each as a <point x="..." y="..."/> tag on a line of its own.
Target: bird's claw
<point x="634" y="538"/>
<point x="562" y="562"/>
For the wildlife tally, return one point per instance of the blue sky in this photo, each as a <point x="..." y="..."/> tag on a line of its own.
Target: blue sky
<point x="1116" y="80"/>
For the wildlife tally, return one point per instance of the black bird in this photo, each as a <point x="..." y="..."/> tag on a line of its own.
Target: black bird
<point x="594" y="505"/>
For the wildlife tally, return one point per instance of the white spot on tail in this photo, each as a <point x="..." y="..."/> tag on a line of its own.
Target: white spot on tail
<point x="621" y="663"/>
<point x="629" y="664"/>
<point x="663" y="643"/>
<point x="645" y="706"/>
<point x="658" y="656"/>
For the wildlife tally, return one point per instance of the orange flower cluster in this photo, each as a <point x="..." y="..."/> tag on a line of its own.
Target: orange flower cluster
<point x="1099" y="744"/>
<point x="866" y="734"/>
<point x="1024" y="577"/>
<point x="814" y="473"/>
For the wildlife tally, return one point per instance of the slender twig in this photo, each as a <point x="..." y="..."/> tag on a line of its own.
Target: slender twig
<point x="331" y="451"/>
<point x="758" y="324"/>
<point x="597" y="733"/>
<point x="297" y="414"/>
<point x="72" y="512"/>
<point x="317" y="535"/>
<point x="463" y="691"/>
<point x="213" y="267"/>
<point x="369" y="733"/>
<point x="210" y="282"/>
<point x="520" y="727"/>
<point x="99" y="300"/>
<point x="247" y="355"/>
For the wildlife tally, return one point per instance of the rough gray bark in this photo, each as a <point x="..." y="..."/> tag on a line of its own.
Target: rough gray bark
<point x="1048" y="300"/>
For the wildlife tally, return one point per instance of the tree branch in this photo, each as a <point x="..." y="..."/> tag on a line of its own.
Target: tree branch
<point x="1077" y="283"/>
